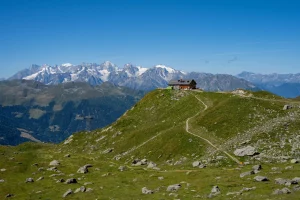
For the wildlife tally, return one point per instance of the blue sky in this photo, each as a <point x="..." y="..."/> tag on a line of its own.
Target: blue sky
<point x="215" y="36"/>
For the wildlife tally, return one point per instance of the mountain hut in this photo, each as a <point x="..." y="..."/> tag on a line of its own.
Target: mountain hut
<point x="182" y="84"/>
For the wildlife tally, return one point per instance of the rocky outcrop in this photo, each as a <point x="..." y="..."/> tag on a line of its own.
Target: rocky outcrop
<point x="246" y="151"/>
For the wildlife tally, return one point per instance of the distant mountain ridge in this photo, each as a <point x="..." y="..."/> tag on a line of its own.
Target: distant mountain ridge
<point x="287" y="85"/>
<point x="135" y="77"/>
<point x="273" y="78"/>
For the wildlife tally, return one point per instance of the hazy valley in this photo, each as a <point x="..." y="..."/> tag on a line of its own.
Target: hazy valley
<point x="50" y="113"/>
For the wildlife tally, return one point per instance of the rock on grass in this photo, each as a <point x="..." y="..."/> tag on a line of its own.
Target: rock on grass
<point x="173" y="188"/>
<point x="54" y="163"/>
<point x="68" y="192"/>
<point x="261" y="178"/>
<point x="146" y="191"/>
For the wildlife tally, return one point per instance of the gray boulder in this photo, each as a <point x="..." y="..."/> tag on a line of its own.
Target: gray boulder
<point x="1" y="181"/>
<point x="257" y="168"/>
<point x="294" y="161"/>
<point x="173" y="188"/>
<point x="214" y="191"/>
<point x="71" y="180"/>
<point x="146" y="191"/>
<point x="286" y="190"/>
<point x="29" y="180"/>
<point x="81" y="189"/>
<point x="246" y="151"/>
<point x="280" y="181"/>
<point x="54" y="163"/>
<point x="52" y="169"/>
<point x="151" y="165"/>
<point x="202" y="166"/>
<point x="277" y="191"/>
<point x="286" y="107"/>
<point x="282" y="191"/>
<point x="84" y="169"/>
<point x="296" y="188"/>
<point x="261" y="178"/>
<point x="246" y="174"/>
<point x="286" y="182"/>
<point x="196" y="164"/>
<point x="67" y="193"/>
<point x="296" y="180"/>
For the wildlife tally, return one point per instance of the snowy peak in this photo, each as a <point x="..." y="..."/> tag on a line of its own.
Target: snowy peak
<point x="107" y="65"/>
<point x="141" y="70"/>
<point x="169" y="69"/>
<point x="67" y="65"/>
<point x="134" y="71"/>
<point x="130" y="70"/>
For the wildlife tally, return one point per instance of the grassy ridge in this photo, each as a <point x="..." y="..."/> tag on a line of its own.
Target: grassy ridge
<point x="155" y="129"/>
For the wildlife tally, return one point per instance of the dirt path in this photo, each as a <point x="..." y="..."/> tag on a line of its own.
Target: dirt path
<point x="206" y="140"/>
<point x="188" y="131"/>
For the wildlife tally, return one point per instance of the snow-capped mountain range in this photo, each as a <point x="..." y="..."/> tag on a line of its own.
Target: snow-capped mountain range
<point x="131" y="76"/>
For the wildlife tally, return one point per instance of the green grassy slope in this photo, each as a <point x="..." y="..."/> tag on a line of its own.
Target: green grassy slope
<point x="155" y="129"/>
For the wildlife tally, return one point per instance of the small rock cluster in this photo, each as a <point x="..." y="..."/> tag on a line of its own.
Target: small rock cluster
<point x="198" y="164"/>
